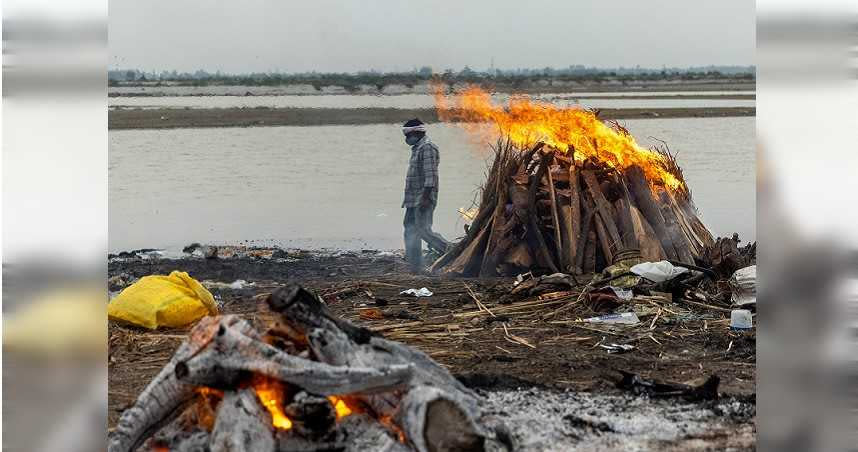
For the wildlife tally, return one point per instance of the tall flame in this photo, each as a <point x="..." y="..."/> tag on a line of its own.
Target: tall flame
<point x="271" y="395"/>
<point x="526" y="122"/>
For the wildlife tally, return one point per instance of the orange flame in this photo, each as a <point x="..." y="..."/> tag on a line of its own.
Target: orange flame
<point x="206" y="391"/>
<point x="206" y="406"/>
<point x="340" y="407"/>
<point x="271" y="395"/>
<point x="526" y="122"/>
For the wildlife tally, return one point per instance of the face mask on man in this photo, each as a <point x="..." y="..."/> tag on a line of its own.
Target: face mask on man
<point x="412" y="139"/>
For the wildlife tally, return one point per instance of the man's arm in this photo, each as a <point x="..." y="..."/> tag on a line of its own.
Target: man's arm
<point x="430" y="173"/>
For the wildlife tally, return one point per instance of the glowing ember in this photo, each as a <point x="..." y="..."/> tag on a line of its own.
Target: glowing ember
<point x="270" y="393"/>
<point x="526" y="122"/>
<point x="206" y="391"/>
<point x="206" y="407"/>
<point x="340" y="407"/>
<point x="388" y="422"/>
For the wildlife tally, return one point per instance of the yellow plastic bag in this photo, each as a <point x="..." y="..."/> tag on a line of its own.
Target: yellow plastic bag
<point x="173" y="301"/>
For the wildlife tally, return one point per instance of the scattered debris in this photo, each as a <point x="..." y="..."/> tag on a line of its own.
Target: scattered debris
<point x="545" y="284"/>
<point x="403" y="314"/>
<point x="725" y="256"/>
<point x="119" y="282"/>
<point x="740" y="319"/>
<point x="235" y="285"/>
<point x="642" y="386"/>
<point x="625" y="318"/>
<point x="521" y="278"/>
<point x="743" y="284"/>
<point x="658" y="271"/>
<point x="144" y="253"/>
<point x="607" y="299"/>
<point x="371" y="314"/>
<point x="619" y="274"/>
<point x="617" y="348"/>
<point x="422" y="292"/>
<point x="681" y="324"/>
<point x="230" y="251"/>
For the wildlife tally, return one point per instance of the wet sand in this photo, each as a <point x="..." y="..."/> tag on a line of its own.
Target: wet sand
<point x="168" y="118"/>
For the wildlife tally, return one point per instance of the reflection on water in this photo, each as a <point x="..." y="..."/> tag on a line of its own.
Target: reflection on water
<point x="405" y="101"/>
<point x="340" y="186"/>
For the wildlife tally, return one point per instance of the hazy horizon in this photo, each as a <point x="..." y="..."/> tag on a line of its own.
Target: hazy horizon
<point x="437" y="70"/>
<point x="389" y="35"/>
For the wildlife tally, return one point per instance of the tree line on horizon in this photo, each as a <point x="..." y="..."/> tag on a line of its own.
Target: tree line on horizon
<point x="514" y="77"/>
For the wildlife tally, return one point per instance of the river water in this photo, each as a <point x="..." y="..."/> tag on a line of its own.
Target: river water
<point x="406" y="101"/>
<point x="340" y="186"/>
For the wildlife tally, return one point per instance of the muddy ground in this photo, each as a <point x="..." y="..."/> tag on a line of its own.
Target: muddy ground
<point x="542" y="346"/>
<point x="166" y="118"/>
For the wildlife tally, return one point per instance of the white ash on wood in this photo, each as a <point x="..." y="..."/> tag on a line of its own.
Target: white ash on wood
<point x="294" y="386"/>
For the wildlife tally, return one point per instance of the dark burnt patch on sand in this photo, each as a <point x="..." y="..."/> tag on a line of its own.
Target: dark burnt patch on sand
<point x="169" y="118"/>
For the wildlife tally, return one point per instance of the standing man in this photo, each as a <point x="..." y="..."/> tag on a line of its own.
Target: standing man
<point x="421" y="195"/>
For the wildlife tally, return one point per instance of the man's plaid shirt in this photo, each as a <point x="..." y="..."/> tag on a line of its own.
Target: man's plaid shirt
<point x="422" y="173"/>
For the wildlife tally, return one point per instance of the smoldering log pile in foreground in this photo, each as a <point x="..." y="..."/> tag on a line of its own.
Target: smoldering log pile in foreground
<point x="311" y="382"/>
<point x="541" y="209"/>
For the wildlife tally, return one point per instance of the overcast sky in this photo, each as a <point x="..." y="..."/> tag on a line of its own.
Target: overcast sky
<point x="329" y="35"/>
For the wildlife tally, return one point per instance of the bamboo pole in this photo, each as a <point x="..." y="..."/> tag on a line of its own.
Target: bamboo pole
<point x="573" y="222"/>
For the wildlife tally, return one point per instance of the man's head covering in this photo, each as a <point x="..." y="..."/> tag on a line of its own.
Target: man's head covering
<point x="413" y="125"/>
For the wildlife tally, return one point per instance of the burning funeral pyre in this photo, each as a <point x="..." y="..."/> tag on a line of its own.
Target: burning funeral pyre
<point x="312" y="381"/>
<point x="568" y="192"/>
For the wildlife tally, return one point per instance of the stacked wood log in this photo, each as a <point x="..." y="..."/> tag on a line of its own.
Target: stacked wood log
<point x="543" y="210"/>
<point x="222" y="388"/>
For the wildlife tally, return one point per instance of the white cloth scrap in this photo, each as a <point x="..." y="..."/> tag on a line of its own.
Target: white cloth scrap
<point x="658" y="271"/>
<point x="626" y="318"/>
<point x="744" y="286"/>
<point x="422" y="292"/>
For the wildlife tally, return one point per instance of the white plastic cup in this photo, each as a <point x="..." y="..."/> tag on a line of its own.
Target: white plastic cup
<point x="740" y="319"/>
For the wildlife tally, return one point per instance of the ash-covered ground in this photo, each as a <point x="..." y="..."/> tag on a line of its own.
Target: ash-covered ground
<point x="544" y="374"/>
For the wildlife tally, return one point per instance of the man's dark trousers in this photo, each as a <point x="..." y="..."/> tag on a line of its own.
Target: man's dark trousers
<point x="418" y="229"/>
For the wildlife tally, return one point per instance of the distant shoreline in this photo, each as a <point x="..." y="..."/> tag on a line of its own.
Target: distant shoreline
<point x="171" y="118"/>
<point x="587" y="96"/>
<point x="157" y="89"/>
